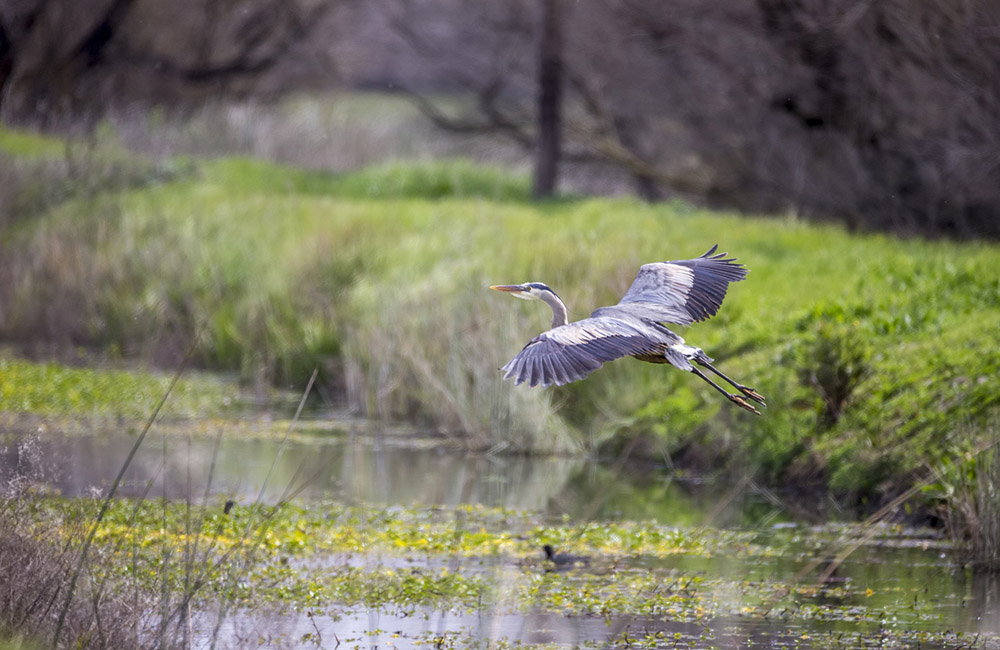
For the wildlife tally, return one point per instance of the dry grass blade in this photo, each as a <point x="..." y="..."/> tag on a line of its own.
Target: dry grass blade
<point x="261" y="527"/>
<point x="85" y="550"/>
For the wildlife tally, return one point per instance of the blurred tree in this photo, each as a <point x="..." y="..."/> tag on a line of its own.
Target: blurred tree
<point x="550" y="41"/>
<point x="74" y="59"/>
<point x="882" y="114"/>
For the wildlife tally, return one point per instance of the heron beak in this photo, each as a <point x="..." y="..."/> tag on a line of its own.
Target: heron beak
<point x="509" y="288"/>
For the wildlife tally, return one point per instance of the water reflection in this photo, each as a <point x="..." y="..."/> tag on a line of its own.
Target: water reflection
<point x="351" y="470"/>
<point x="370" y="628"/>
<point x="368" y="470"/>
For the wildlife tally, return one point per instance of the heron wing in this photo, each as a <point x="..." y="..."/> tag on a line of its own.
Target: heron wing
<point x="571" y="352"/>
<point x="682" y="292"/>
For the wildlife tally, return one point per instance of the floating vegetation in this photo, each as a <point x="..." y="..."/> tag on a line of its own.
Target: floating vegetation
<point x="410" y="561"/>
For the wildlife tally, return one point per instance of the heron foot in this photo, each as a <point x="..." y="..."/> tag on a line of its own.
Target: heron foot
<point x="752" y="394"/>
<point x="739" y="401"/>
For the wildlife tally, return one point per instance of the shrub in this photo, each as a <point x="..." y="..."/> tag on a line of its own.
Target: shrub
<point x="833" y="361"/>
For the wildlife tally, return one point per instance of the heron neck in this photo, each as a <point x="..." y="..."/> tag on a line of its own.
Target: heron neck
<point x="558" y="309"/>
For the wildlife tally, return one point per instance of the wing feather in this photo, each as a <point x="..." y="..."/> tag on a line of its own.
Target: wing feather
<point x="684" y="291"/>
<point x="571" y="352"/>
<point x="553" y="369"/>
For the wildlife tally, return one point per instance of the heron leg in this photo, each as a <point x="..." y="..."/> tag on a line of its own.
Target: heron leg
<point x="736" y="399"/>
<point x="746" y="390"/>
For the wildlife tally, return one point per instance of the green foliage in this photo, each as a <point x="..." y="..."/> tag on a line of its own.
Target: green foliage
<point x="433" y="180"/>
<point x="51" y="389"/>
<point x="869" y="350"/>
<point x="28" y="144"/>
<point x="833" y="361"/>
<point x="38" y="173"/>
<point x="441" y="179"/>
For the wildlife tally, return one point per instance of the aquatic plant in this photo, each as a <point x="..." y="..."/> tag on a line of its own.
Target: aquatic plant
<point x="410" y="561"/>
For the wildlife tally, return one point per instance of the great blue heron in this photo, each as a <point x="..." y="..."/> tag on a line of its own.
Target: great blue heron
<point x="681" y="292"/>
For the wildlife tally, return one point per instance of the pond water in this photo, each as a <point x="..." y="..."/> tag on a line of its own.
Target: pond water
<point x="377" y="471"/>
<point x="904" y="587"/>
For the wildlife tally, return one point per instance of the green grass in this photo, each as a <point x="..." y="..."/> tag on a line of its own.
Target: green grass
<point x="454" y="178"/>
<point x="379" y="278"/>
<point x="27" y="144"/>
<point x="50" y="389"/>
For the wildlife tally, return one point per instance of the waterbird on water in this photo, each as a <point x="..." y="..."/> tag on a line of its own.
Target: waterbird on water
<point x="680" y="292"/>
<point x="563" y="559"/>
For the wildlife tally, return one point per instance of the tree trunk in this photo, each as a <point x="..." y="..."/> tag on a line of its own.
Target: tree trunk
<point x="550" y="44"/>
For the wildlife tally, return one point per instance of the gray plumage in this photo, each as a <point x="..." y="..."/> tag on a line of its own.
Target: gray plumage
<point x="680" y="292"/>
<point x="683" y="292"/>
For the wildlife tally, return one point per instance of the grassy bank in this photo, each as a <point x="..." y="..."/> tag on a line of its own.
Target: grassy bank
<point x="877" y="356"/>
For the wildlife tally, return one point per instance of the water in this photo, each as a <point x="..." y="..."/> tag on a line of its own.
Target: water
<point x="372" y="470"/>
<point x="906" y="585"/>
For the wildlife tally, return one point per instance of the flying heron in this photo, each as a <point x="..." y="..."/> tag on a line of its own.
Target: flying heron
<point x="681" y="292"/>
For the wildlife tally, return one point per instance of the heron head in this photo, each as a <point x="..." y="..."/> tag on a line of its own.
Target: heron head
<point x="526" y="291"/>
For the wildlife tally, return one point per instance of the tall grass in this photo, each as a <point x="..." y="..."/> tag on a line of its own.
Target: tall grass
<point x="969" y="491"/>
<point x="337" y="131"/>
<point x="36" y="562"/>
<point x="63" y="587"/>
<point x="379" y="278"/>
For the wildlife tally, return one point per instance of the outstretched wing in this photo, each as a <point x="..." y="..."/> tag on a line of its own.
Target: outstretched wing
<point x="682" y="292"/>
<point x="571" y="352"/>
